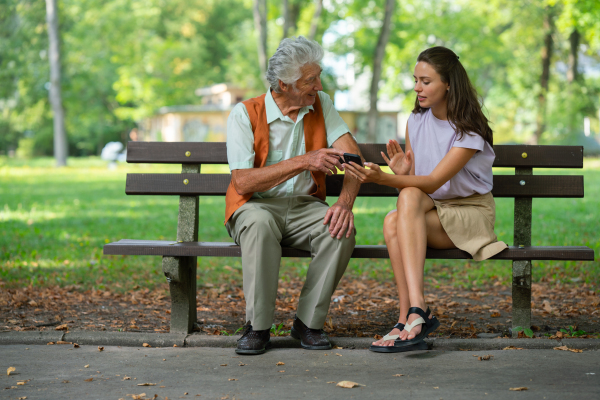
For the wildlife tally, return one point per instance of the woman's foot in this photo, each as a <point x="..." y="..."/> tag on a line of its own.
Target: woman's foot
<point x="390" y="338"/>
<point x="406" y="335"/>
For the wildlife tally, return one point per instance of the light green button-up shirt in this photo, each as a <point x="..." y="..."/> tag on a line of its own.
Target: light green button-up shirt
<point x="286" y="140"/>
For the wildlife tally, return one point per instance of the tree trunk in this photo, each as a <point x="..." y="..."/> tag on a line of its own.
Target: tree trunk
<point x="545" y="77"/>
<point x="291" y="12"/>
<point x="384" y="36"/>
<point x="260" y="24"/>
<point x="572" y="75"/>
<point x="60" y="136"/>
<point x="315" y="20"/>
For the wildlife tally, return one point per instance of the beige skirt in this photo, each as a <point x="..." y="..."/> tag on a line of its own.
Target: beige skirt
<point x="469" y="223"/>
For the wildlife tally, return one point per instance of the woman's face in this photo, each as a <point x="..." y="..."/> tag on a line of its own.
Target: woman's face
<point x="431" y="91"/>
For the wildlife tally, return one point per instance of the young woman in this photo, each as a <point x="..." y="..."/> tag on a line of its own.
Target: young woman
<point x="446" y="178"/>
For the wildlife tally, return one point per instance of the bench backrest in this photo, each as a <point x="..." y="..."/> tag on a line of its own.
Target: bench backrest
<point x="193" y="154"/>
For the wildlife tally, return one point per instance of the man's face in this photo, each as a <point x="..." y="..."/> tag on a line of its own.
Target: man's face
<point x="303" y="93"/>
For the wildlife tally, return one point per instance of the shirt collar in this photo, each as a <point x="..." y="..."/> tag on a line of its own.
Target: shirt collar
<point x="273" y="111"/>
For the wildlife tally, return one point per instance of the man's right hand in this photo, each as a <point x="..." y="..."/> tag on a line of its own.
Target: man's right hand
<point x="324" y="160"/>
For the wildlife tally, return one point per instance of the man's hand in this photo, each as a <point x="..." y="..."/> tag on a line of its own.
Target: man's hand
<point x="364" y="175"/>
<point x="399" y="162"/>
<point x="340" y="219"/>
<point x="324" y="160"/>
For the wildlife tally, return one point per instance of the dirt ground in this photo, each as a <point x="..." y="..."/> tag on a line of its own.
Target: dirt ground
<point x="359" y="308"/>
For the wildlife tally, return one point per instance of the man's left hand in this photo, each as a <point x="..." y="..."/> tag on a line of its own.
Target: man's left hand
<point x="340" y="219"/>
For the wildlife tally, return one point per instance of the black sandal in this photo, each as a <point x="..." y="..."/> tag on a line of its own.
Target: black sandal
<point x="397" y="349"/>
<point x="431" y="324"/>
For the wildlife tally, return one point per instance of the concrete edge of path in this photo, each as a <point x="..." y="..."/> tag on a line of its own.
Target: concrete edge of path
<point x="133" y="339"/>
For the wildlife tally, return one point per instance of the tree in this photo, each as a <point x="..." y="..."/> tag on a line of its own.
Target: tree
<point x="260" y="23"/>
<point x="315" y="19"/>
<point x="377" y="66"/>
<point x="60" y="136"/>
<point x="545" y="75"/>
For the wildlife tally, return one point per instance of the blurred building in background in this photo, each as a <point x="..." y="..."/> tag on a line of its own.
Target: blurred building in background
<point x="207" y="121"/>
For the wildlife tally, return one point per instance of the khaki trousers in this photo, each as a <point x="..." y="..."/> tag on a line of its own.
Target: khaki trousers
<point x="261" y="227"/>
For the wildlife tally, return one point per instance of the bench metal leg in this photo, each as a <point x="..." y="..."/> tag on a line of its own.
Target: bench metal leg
<point x="521" y="287"/>
<point x="521" y="295"/>
<point x="181" y="275"/>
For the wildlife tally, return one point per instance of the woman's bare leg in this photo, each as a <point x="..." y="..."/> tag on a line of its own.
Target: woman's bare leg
<point x="391" y="241"/>
<point x="418" y="226"/>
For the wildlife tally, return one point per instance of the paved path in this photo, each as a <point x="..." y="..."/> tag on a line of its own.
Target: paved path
<point x="60" y="371"/>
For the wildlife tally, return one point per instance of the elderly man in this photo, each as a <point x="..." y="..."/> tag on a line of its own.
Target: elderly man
<point x="280" y="147"/>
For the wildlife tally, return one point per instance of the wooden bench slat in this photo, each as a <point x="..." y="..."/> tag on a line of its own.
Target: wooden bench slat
<point x="225" y="249"/>
<point x="216" y="185"/>
<point x="216" y="153"/>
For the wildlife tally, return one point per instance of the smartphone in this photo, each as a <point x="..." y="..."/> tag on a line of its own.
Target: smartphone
<point x="352" y="157"/>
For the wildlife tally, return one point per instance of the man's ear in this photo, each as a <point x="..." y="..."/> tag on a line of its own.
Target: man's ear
<point x="283" y="86"/>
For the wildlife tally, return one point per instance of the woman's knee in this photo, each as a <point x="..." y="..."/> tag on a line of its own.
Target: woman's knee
<point x="410" y="199"/>
<point x="390" y="225"/>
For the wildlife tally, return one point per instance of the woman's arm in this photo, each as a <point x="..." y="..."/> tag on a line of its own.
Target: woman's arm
<point x="452" y="162"/>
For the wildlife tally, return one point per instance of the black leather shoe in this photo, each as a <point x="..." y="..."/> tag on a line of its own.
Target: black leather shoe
<point x="310" y="339"/>
<point x="253" y="342"/>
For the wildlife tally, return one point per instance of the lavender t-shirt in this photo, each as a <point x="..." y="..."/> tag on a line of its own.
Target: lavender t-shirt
<point x="431" y="139"/>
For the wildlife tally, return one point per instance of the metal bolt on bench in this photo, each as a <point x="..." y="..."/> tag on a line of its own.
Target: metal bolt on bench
<point x="180" y="258"/>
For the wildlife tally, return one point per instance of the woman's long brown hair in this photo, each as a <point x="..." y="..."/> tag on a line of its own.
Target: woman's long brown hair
<point x="464" y="109"/>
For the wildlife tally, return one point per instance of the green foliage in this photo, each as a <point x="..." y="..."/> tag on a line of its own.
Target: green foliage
<point x="54" y="227"/>
<point x="277" y="330"/>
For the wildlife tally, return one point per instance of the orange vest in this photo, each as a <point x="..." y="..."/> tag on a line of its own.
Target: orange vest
<point x="315" y="138"/>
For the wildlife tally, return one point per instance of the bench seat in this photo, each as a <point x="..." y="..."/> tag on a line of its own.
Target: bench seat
<point x="228" y="249"/>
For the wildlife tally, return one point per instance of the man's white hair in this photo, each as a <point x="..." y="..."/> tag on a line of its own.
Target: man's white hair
<point x="291" y="55"/>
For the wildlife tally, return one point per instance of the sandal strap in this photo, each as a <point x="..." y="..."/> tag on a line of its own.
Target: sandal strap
<point x="390" y="337"/>
<point x="418" y="321"/>
<point x="399" y="326"/>
<point x="419" y="311"/>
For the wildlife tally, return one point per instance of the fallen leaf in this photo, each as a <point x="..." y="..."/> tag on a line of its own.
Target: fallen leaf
<point x="223" y="365"/>
<point x="88" y="380"/>
<point x="75" y="345"/>
<point x="137" y="396"/>
<point x="9" y="370"/>
<point x="100" y="348"/>
<point x="338" y="354"/>
<point x="565" y="348"/>
<point x="436" y="387"/>
<point x="126" y="378"/>
<point x="146" y="384"/>
<point x="348" y="384"/>
<point x="146" y="345"/>
<point x="50" y="343"/>
<point x="519" y="389"/>
<point x="65" y="381"/>
<point x="242" y="364"/>
<point x="63" y="342"/>
<point x="178" y="346"/>
<point x="86" y="366"/>
<point x="232" y="379"/>
<point x="495" y="315"/>
<point x="485" y="358"/>
<point x="282" y="371"/>
<point x="332" y="382"/>
<point x="23" y="398"/>
<point x="378" y="337"/>
<point x="62" y="327"/>
<point x="398" y="375"/>
<point x="340" y="348"/>
<point x="280" y="363"/>
<point x="21" y="383"/>
<point x="512" y="348"/>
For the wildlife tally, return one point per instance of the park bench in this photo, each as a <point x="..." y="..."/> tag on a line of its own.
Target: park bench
<point x="179" y="257"/>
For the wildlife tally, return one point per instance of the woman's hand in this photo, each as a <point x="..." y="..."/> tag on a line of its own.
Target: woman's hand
<point x="398" y="161"/>
<point x="364" y="175"/>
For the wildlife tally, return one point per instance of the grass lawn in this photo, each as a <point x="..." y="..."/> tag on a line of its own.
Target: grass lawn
<point x="54" y="223"/>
